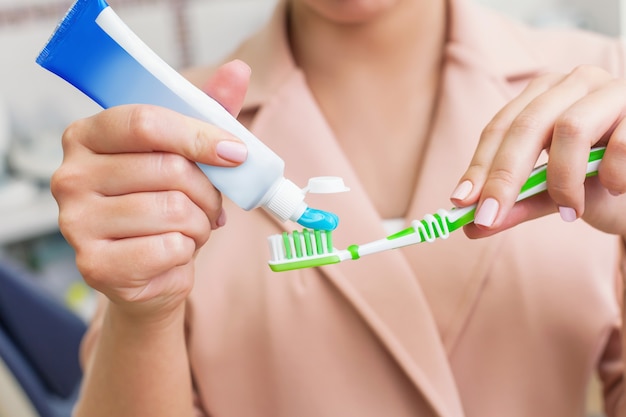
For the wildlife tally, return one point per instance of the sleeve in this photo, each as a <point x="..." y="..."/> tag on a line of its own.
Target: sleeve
<point x="611" y="372"/>
<point x="93" y="333"/>
<point x="198" y="406"/>
<point x="611" y="368"/>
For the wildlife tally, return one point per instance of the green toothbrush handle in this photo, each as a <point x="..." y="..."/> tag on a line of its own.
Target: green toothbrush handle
<point x="535" y="184"/>
<point x="440" y="224"/>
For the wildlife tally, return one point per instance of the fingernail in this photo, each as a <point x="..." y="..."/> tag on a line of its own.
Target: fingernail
<point x="232" y="151"/>
<point x="221" y="219"/>
<point x="487" y="212"/>
<point x="568" y="214"/>
<point x="615" y="193"/>
<point x="462" y="190"/>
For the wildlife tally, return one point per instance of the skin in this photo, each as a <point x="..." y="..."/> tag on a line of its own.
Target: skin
<point x="159" y="209"/>
<point x="121" y="165"/>
<point x="565" y="114"/>
<point x="375" y="106"/>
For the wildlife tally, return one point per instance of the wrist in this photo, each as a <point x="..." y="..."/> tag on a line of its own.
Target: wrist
<point x="146" y="316"/>
<point x="139" y="365"/>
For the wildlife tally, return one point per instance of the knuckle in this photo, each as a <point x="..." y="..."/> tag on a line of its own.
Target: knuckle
<point x="585" y="71"/>
<point x="611" y="170"/>
<point x="92" y="271"/>
<point x="204" y="236"/>
<point x="65" y="180"/>
<point x="58" y="183"/>
<point x="559" y="191"/>
<point x="142" y="122"/>
<point x="496" y="127"/>
<point x="580" y="71"/>
<point x="618" y="147"/>
<point x="67" y="221"/>
<point x="502" y="177"/>
<point x="176" y="206"/>
<point x="569" y="126"/>
<point x="174" y="166"/>
<point x="202" y="229"/>
<point x="611" y="182"/>
<point x="72" y="225"/>
<point x="564" y="193"/>
<point x="526" y="122"/>
<point x="477" y="170"/>
<point x="201" y="143"/>
<point x="71" y="135"/>
<point x="177" y="247"/>
<point x="173" y="243"/>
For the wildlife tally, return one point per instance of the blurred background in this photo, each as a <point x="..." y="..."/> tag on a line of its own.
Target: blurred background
<point x="35" y="106"/>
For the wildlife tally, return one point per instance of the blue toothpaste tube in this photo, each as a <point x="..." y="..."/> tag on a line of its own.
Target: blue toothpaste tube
<point x="95" y="51"/>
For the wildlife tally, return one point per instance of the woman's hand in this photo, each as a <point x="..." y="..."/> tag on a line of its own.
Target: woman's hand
<point x="565" y="115"/>
<point x="132" y="201"/>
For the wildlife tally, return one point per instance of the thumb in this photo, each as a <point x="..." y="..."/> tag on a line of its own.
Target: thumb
<point x="229" y="84"/>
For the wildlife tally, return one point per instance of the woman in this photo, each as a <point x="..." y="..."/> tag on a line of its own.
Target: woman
<point x="396" y="97"/>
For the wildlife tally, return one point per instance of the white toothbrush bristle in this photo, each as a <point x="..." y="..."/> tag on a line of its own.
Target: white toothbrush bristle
<point x="277" y="248"/>
<point x="299" y="244"/>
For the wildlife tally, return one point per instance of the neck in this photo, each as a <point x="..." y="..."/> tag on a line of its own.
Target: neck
<point x="376" y="81"/>
<point x="405" y="37"/>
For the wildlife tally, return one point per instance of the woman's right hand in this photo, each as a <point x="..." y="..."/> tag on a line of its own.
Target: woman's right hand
<point x="132" y="201"/>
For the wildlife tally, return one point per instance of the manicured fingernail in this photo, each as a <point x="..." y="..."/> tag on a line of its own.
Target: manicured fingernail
<point x="221" y="219"/>
<point x="232" y="151"/>
<point x="487" y="212"/>
<point x="568" y="214"/>
<point x="462" y="190"/>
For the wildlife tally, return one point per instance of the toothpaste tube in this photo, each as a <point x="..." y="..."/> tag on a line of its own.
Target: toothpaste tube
<point x="94" y="50"/>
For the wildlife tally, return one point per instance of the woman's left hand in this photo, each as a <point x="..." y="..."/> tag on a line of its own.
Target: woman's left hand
<point x="565" y="114"/>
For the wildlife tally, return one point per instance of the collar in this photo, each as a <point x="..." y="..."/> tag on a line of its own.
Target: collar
<point x="415" y="328"/>
<point x="470" y="42"/>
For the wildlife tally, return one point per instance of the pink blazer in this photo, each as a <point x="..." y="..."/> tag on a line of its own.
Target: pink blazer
<point x="511" y="325"/>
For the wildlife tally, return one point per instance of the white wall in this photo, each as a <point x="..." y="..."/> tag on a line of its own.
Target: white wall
<point x="598" y="15"/>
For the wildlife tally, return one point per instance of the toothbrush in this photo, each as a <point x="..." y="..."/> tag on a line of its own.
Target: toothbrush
<point x="310" y="248"/>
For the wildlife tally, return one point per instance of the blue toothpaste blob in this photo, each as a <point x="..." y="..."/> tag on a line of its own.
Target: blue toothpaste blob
<point x="318" y="219"/>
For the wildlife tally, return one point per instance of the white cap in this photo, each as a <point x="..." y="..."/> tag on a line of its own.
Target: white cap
<point x="325" y="185"/>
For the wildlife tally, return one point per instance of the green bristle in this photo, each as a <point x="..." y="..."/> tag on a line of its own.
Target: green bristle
<point x="329" y="240"/>
<point x="287" y="245"/>
<point x="318" y="242"/>
<point x="307" y="242"/>
<point x="297" y="244"/>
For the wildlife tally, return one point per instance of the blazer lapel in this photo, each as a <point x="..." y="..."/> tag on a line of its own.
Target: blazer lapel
<point x="383" y="287"/>
<point x="462" y="265"/>
<point x="417" y="318"/>
<point x="476" y="67"/>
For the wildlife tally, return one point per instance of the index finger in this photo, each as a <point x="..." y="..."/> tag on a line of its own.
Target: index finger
<point x="601" y="111"/>
<point x="145" y="128"/>
<point x="529" y="133"/>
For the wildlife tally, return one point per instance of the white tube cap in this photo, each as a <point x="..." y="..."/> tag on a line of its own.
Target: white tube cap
<point x="325" y="185"/>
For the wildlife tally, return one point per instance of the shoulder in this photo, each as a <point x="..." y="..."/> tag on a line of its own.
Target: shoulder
<point x="562" y="49"/>
<point x="509" y="48"/>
